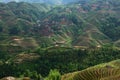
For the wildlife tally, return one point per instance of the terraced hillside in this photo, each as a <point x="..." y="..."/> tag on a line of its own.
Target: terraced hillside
<point x="36" y="38"/>
<point x="84" y="24"/>
<point x="107" y="71"/>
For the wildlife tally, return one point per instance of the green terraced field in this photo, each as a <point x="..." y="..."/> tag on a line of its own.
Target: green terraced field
<point x="107" y="71"/>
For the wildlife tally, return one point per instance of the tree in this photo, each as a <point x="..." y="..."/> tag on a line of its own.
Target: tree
<point x="33" y="75"/>
<point x="1" y="28"/>
<point x="14" y="30"/>
<point x="54" y="75"/>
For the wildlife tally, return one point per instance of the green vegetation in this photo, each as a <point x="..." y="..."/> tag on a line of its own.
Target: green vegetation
<point x="42" y="41"/>
<point x="54" y="75"/>
<point x="42" y="60"/>
<point x="88" y="25"/>
<point x="107" y="71"/>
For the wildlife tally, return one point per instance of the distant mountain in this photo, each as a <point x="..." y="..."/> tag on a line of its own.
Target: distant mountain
<point x="45" y="1"/>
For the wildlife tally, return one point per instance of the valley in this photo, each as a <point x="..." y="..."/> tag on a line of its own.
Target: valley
<point x="60" y="40"/>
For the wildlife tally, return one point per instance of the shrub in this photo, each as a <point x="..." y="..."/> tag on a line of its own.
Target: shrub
<point x="54" y="75"/>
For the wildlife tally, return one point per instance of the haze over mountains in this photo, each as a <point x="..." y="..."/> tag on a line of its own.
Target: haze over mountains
<point x="45" y="1"/>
